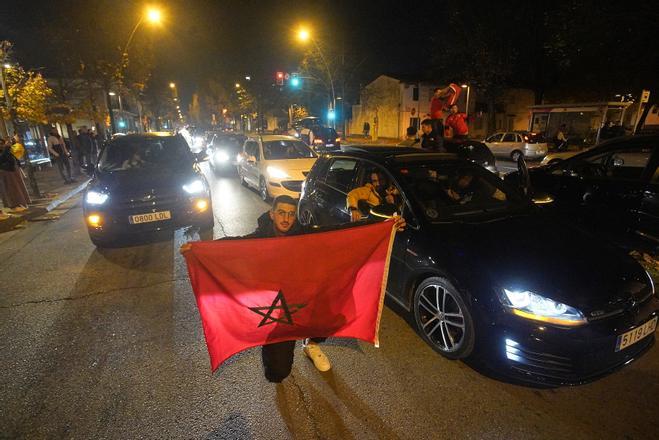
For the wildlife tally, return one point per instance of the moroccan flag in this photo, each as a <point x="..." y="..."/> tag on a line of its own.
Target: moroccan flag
<point x="257" y="291"/>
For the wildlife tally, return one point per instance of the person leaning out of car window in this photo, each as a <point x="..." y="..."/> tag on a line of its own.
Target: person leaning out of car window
<point x="373" y="193"/>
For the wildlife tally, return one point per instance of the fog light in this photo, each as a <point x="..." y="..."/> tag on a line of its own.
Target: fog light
<point x="201" y="205"/>
<point x="94" y="220"/>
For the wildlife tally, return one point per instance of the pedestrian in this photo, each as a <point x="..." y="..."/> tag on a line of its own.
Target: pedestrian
<point x="85" y="149"/>
<point x="411" y="138"/>
<point x="560" y="140"/>
<point x="14" y="192"/>
<point x="277" y="358"/>
<point x="366" y="128"/>
<point x="431" y="139"/>
<point x="61" y="155"/>
<point x="457" y="122"/>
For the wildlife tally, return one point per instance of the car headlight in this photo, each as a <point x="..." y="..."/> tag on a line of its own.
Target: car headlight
<point x="538" y="308"/>
<point x="96" y="198"/>
<point x="277" y="173"/>
<point x="194" y="187"/>
<point x="221" y="156"/>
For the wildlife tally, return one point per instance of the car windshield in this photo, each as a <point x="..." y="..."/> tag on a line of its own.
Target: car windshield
<point x="131" y="153"/>
<point x="285" y="149"/>
<point x="451" y="191"/>
<point x="232" y="142"/>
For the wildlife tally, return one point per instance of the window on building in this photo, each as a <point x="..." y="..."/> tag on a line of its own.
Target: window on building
<point x="414" y="122"/>
<point x="415" y="94"/>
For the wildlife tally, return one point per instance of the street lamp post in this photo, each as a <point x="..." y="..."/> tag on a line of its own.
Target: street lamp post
<point x="466" y="86"/>
<point x="304" y="35"/>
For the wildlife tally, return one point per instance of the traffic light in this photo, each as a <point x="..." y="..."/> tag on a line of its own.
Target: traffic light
<point x="295" y="81"/>
<point x="280" y="78"/>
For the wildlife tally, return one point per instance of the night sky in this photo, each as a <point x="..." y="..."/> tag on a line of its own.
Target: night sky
<point x="202" y="38"/>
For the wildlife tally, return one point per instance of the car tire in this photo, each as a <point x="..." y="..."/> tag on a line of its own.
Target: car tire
<point x="263" y="190"/>
<point x="443" y="318"/>
<point x="515" y="155"/>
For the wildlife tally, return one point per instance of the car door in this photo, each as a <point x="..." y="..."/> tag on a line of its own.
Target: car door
<point x="493" y="143"/>
<point x="508" y="144"/>
<point x="250" y="163"/>
<point x="606" y="189"/>
<point x="331" y="190"/>
<point x="647" y="216"/>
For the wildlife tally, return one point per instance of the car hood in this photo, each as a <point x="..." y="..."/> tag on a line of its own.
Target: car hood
<point x="139" y="181"/>
<point x="290" y="165"/>
<point x="536" y="253"/>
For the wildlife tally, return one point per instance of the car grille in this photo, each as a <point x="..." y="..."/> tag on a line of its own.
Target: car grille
<point x="292" y="185"/>
<point x="146" y="202"/>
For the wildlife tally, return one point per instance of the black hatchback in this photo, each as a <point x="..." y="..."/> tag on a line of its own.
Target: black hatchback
<point x="486" y="275"/>
<point x="143" y="183"/>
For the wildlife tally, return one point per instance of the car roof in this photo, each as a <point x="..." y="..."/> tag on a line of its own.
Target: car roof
<point x="149" y="135"/>
<point x="392" y="153"/>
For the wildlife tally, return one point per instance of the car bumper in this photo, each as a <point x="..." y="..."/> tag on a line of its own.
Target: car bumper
<point x="535" y="154"/>
<point x="115" y="221"/>
<point x="285" y="187"/>
<point x="540" y="354"/>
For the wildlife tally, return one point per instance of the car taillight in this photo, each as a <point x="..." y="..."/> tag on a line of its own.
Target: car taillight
<point x="317" y="141"/>
<point x="337" y="140"/>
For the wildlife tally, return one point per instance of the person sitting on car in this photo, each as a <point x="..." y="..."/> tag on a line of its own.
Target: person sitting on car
<point x="467" y="187"/>
<point x="375" y="193"/>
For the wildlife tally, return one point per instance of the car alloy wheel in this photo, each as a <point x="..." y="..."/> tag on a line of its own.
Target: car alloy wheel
<point x="443" y="318"/>
<point x="306" y="217"/>
<point x="515" y="155"/>
<point x="263" y="190"/>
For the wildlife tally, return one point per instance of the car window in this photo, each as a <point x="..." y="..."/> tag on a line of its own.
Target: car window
<point x="509" y="137"/>
<point x="494" y="138"/>
<point x="519" y="138"/>
<point x="286" y="149"/>
<point x="451" y="191"/>
<point x="382" y="183"/>
<point x="141" y="152"/>
<point x="619" y="164"/>
<point x="341" y="174"/>
<point x="251" y="148"/>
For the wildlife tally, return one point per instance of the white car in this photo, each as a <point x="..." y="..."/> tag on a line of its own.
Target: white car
<point x="275" y="165"/>
<point x="515" y="144"/>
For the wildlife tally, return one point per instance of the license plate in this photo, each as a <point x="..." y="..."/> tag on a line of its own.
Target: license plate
<point x="633" y="336"/>
<point x="150" y="217"/>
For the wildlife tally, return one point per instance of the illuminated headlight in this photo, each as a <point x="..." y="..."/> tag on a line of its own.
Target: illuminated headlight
<point x="239" y="158"/>
<point x="317" y="141"/>
<point x="277" y="173"/>
<point x="538" y="308"/>
<point x="96" y="198"/>
<point x="194" y="187"/>
<point x="221" y="156"/>
<point x="296" y="134"/>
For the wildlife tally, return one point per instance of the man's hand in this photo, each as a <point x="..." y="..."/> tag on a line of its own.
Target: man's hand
<point x="185" y="247"/>
<point x="399" y="223"/>
<point x="355" y="215"/>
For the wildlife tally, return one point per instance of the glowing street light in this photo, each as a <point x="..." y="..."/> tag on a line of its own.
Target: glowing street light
<point x="6" y="66"/>
<point x="303" y="35"/>
<point x="154" y="15"/>
<point x="237" y="85"/>
<point x="172" y="85"/>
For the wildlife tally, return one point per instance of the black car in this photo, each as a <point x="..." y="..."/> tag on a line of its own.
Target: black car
<point x="325" y="139"/>
<point x="612" y="189"/>
<point x="472" y="150"/>
<point x="486" y="275"/>
<point x="145" y="183"/>
<point x="223" y="150"/>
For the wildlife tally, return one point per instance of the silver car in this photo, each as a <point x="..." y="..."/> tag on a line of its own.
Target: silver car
<point x="513" y="144"/>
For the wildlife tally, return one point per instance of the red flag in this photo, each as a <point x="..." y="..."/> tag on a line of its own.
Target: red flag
<point x="257" y="291"/>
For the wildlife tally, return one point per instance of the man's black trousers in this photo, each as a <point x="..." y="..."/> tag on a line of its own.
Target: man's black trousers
<point x="278" y="359"/>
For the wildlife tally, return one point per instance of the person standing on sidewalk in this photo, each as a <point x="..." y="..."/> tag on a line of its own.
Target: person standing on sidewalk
<point x="14" y="192"/>
<point x="85" y="145"/>
<point x="61" y="154"/>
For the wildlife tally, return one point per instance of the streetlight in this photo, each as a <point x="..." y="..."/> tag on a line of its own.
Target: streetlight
<point x="172" y="85"/>
<point x="466" y="86"/>
<point x="237" y="85"/>
<point x="304" y="35"/>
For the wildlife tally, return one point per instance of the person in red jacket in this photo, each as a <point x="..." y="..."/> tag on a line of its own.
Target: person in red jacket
<point x="457" y="122"/>
<point x="443" y="99"/>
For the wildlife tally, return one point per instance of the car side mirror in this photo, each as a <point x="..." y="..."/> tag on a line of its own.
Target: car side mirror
<point x="618" y="162"/>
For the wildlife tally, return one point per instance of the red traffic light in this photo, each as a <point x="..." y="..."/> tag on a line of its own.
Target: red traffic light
<point x="280" y="75"/>
<point x="280" y="78"/>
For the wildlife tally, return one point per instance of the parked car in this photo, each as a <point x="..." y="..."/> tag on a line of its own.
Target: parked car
<point x="514" y="144"/>
<point x="566" y="308"/>
<point x="611" y="189"/>
<point x="275" y="165"/>
<point x="145" y="183"/>
<point x="223" y="150"/>
<point x="554" y="157"/>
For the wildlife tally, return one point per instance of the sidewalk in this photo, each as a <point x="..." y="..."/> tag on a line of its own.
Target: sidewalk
<point x="53" y="191"/>
<point x="360" y="139"/>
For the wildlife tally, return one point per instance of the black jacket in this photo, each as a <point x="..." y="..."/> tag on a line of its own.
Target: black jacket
<point x="432" y="141"/>
<point x="7" y="160"/>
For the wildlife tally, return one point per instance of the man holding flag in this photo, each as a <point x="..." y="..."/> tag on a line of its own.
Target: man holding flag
<point x="277" y="288"/>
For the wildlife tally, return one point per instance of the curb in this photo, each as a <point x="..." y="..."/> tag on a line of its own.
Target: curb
<point x="10" y="223"/>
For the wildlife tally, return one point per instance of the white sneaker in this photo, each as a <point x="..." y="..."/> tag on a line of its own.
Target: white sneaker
<point x="320" y="361"/>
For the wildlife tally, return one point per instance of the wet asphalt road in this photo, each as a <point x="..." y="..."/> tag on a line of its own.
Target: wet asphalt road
<point x="108" y="344"/>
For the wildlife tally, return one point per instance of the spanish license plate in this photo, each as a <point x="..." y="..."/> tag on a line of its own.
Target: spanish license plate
<point x="635" y="335"/>
<point x="150" y="217"/>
